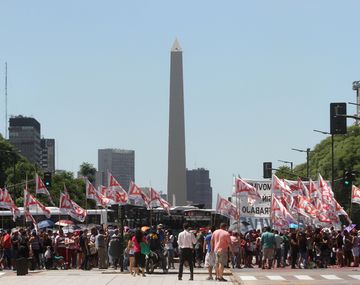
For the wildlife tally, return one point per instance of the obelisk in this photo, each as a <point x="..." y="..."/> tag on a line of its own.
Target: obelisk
<point x="176" y="156"/>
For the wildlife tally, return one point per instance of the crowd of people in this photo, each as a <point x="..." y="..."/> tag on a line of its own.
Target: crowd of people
<point x="214" y="249"/>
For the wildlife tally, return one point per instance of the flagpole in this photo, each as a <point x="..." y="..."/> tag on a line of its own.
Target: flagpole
<point x="271" y="205"/>
<point x="238" y="205"/>
<point x="350" y="208"/>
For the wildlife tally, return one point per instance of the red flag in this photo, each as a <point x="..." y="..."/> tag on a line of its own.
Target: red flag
<point x="279" y="212"/>
<point x="226" y="208"/>
<point x="7" y="202"/>
<point x="154" y="195"/>
<point x="69" y="207"/>
<point x="41" y="188"/>
<point x="93" y="194"/>
<point x="165" y="205"/>
<point x="355" y="196"/>
<point x="326" y="194"/>
<point x="136" y="191"/>
<point x="279" y="187"/>
<point x="33" y="204"/>
<point x="115" y="191"/>
<point x="244" y="189"/>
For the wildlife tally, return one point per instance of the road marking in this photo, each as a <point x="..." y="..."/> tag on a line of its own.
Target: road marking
<point x="247" y="278"/>
<point x="357" y="277"/>
<point x="2" y="273"/>
<point x="303" y="277"/>
<point x="331" y="277"/>
<point x="276" y="278"/>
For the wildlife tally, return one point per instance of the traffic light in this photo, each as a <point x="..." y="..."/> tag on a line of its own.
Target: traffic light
<point x="47" y="179"/>
<point x="337" y="118"/>
<point x="349" y="177"/>
<point x="267" y="169"/>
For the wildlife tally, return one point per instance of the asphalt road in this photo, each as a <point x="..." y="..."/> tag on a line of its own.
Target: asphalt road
<point x="297" y="276"/>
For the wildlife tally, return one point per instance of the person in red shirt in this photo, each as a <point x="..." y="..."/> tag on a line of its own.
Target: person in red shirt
<point x="7" y="249"/>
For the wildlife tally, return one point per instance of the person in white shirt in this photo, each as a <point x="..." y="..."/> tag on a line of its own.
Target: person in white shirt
<point x="186" y="242"/>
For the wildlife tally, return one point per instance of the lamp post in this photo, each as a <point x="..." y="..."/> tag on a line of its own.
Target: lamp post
<point x="289" y="162"/>
<point x="307" y="160"/>
<point x="332" y="157"/>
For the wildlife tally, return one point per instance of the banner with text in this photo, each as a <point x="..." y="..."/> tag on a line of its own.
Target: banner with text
<point x="257" y="215"/>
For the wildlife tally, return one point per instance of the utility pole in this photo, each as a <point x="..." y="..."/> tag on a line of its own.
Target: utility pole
<point x="356" y="87"/>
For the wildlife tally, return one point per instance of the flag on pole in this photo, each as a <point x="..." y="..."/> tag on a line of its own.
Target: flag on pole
<point x="103" y="190"/>
<point x="41" y="188"/>
<point x="115" y="191"/>
<point x="7" y="202"/>
<point x="244" y="189"/>
<point x="136" y="191"/>
<point x="69" y="207"/>
<point x="279" y="212"/>
<point x="355" y="195"/>
<point x="154" y="195"/>
<point x="326" y="194"/>
<point x="305" y="207"/>
<point x="31" y="203"/>
<point x="279" y="188"/>
<point x="93" y="194"/>
<point x="165" y="205"/>
<point x="226" y="208"/>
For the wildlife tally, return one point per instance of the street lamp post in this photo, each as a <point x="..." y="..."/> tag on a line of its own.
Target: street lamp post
<point x="307" y="160"/>
<point x="332" y="157"/>
<point x="289" y="162"/>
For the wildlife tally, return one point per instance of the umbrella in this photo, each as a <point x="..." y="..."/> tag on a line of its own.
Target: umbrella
<point x="45" y="224"/>
<point x="293" y="226"/>
<point x="64" y="223"/>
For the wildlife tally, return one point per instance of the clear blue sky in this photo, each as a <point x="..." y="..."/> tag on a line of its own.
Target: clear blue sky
<point x="258" y="78"/>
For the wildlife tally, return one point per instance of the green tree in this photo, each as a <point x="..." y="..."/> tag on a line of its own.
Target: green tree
<point x="88" y="170"/>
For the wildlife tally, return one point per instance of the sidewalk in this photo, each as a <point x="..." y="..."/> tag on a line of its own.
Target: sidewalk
<point x="107" y="277"/>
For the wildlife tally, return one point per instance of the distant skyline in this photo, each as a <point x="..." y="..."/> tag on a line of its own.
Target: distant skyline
<point x="259" y="76"/>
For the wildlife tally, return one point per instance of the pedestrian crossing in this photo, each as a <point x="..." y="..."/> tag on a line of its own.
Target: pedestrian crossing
<point x="330" y="277"/>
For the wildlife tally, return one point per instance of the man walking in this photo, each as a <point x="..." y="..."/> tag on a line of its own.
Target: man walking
<point x="220" y="244"/>
<point x="186" y="242"/>
<point x="210" y="255"/>
<point x="268" y="245"/>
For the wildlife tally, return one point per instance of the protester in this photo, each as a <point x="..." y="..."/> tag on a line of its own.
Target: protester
<point x="186" y="242"/>
<point x="210" y="255"/>
<point x="169" y="247"/>
<point x="220" y="244"/>
<point x="114" y="250"/>
<point x="137" y="239"/>
<point x="268" y="245"/>
<point x="131" y="256"/>
<point x="100" y="244"/>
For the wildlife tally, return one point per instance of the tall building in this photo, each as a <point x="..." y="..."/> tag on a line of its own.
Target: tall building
<point x="176" y="157"/>
<point x="199" y="190"/>
<point x="120" y="163"/>
<point x="47" y="161"/>
<point x="24" y="134"/>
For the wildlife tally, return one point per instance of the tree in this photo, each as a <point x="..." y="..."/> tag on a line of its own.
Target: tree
<point x="89" y="171"/>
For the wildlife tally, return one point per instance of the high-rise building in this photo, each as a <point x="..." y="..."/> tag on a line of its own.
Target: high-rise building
<point x="176" y="157"/>
<point x="24" y="134"/>
<point x="120" y="163"/>
<point x="47" y="161"/>
<point x="199" y="190"/>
